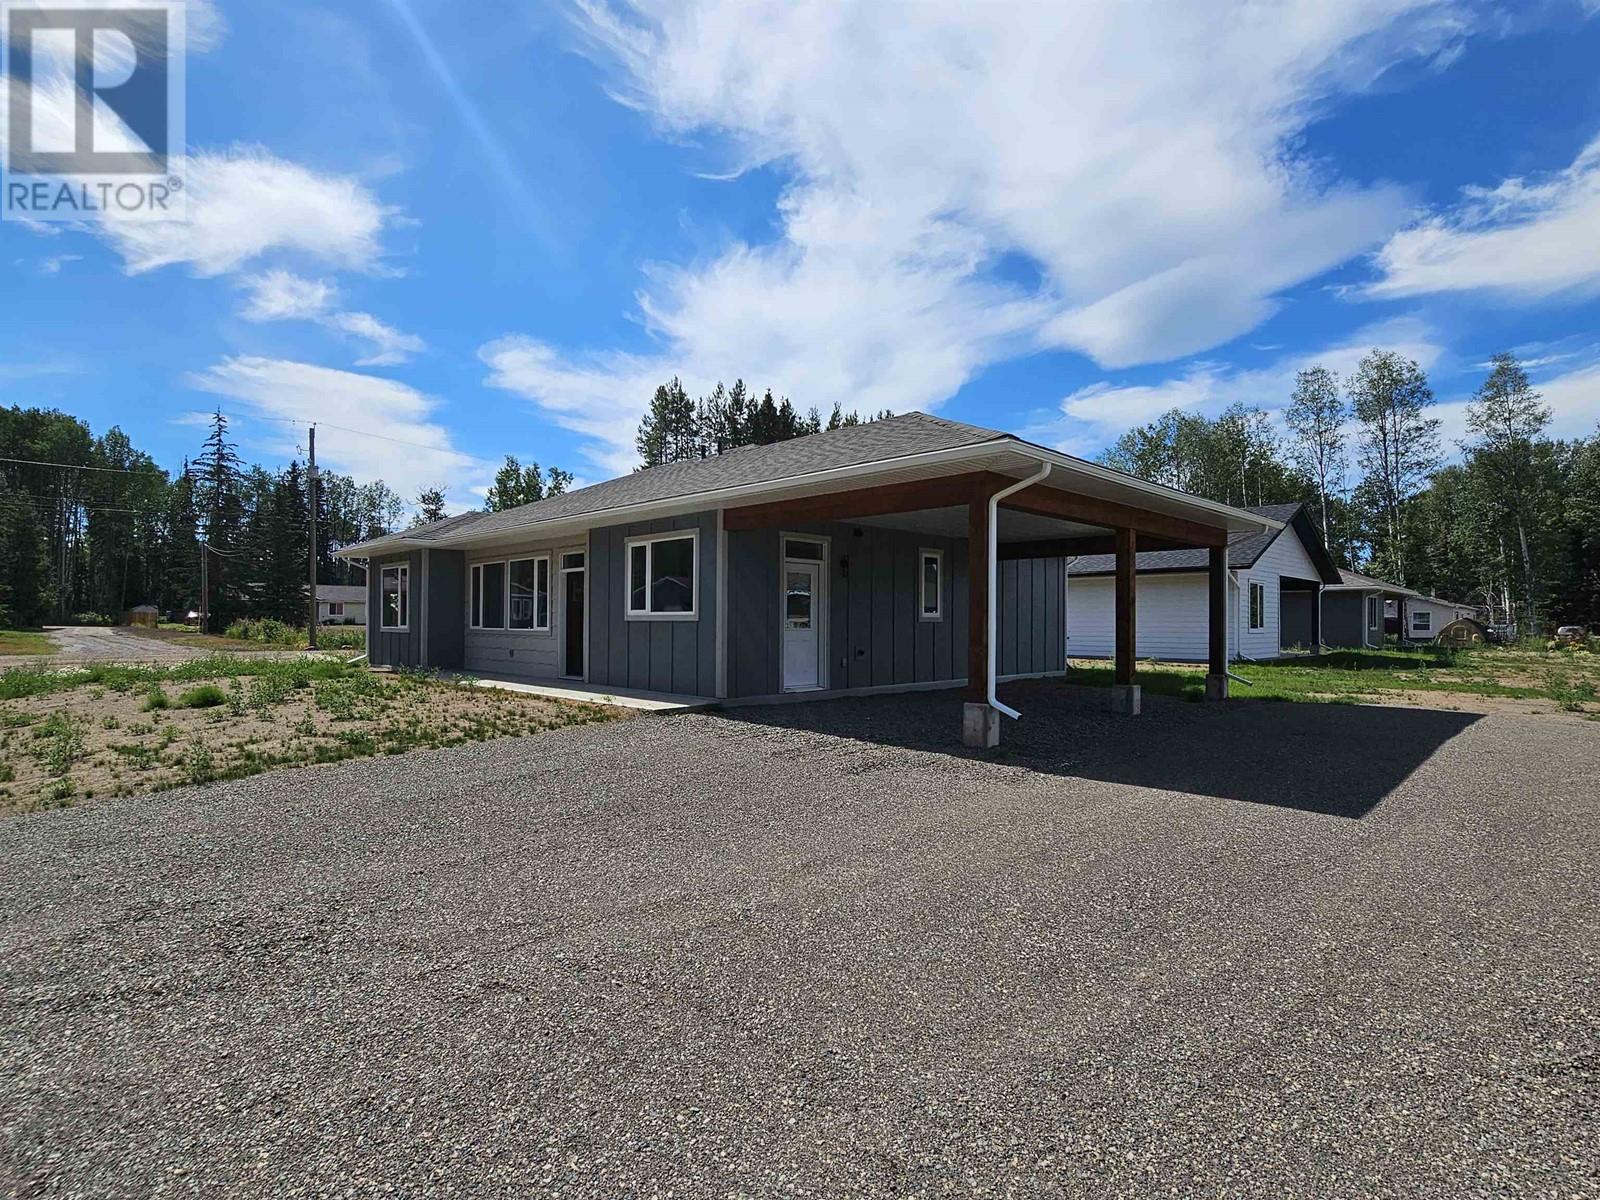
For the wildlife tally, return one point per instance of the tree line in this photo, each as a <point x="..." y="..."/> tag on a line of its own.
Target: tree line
<point x="1513" y="526"/>
<point x="676" y="427"/>
<point x="91" y="526"/>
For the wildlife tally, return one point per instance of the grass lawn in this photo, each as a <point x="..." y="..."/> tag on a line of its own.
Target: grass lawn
<point x="110" y="730"/>
<point x="1561" y="679"/>
<point x="25" y="641"/>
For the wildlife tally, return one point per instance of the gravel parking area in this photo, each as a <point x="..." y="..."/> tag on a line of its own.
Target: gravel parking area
<point x="1254" y="950"/>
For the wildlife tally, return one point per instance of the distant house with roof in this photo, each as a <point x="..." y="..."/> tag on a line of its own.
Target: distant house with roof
<point x="1361" y="610"/>
<point x="1274" y="580"/>
<point x="341" y="604"/>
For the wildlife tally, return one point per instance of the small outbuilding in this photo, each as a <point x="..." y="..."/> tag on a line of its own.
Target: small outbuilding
<point x="1463" y="631"/>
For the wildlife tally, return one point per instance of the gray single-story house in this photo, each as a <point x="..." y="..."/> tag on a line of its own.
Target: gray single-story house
<point x="1274" y="578"/>
<point x="1353" y="610"/>
<point x="854" y="560"/>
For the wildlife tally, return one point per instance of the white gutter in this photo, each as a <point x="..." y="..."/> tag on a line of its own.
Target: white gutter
<point x="994" y="571"/>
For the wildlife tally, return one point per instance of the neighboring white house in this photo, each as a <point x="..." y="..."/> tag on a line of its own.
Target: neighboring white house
<point x="1422" y="617"/>
<point x="1274" y="582"/>
<point x="338" y="604"/>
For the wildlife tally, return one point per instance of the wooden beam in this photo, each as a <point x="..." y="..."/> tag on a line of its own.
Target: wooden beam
<point x="946" y="492"/>
<point x="1218" y="614"/>
<point x="978" y="599"/>
<point x="1126" y="602"/>
<point x="1104" y="543"/>
<point x="1045" y="501"/>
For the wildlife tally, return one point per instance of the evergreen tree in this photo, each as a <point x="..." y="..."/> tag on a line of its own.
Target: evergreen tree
<point x="668" y="431"/>
<point x="515" y="485"/>
<point x="430" y="507"/>
<point x="24" y="562"/>
<point x="220" y="496"/>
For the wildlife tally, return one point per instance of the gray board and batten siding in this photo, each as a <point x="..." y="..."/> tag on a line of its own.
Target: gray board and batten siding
<point x="876" y="636"/>
<point x="677" y="657"/>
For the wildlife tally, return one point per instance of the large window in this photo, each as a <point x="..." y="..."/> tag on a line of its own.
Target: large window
<point x="1422" y="621"/>
<point x="661" y="577"/>
<point x="931" y="586"/>
<point x="1372" y="612"/>
<point x="1258" y="606"/>
<point x="394" y="584"/>
<point x="488" y="596"/>
<point x="530" y="593"/>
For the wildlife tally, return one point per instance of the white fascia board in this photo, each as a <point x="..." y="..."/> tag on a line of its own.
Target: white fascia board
<point x="1205" y="511"/>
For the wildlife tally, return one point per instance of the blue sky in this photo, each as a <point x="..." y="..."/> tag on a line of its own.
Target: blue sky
<point x="496" y="234"/>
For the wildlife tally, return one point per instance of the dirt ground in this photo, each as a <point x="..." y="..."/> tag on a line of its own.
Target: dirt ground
<point x="93" y="741"/>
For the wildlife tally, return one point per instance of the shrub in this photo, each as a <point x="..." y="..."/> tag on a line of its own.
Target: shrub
<point x="337" y="637"/>
<point x="156" y="698"/>
<point x="267" y="630"/>
<point x="198" y="765"/>
<point x="90" y="618"/>
<point x="59" y="743"/>
<point x="207" y="695"/>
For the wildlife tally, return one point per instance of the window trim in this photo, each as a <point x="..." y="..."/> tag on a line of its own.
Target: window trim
<point x="648" y="541"/>
<point x="549" y="597"/>
<point x="402" y="573"/>
<point x="1250" y="597"/>
<point x="1422" y="620"/>
<point x="923" y="555"/>
<point x="474" y="613"/>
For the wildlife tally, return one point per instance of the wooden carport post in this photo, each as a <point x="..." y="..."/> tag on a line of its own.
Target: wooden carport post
<point x="980" y="723"/>
<point x="1124" y="691"/>
<point x="1217" y="672"/>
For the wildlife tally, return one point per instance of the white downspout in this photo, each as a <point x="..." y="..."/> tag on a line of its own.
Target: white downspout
<point x="994" y="571"/>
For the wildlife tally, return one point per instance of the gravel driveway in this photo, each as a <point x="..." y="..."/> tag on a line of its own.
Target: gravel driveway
<point x="1265" y="950"/>
<point x="91" y="644"/>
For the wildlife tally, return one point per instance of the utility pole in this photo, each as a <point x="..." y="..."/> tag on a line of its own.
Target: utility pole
<point x="311" y="511"/>
<point x="205" y="591"/>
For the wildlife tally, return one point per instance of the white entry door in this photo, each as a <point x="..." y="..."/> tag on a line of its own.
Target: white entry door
<point x="802" y="620"/>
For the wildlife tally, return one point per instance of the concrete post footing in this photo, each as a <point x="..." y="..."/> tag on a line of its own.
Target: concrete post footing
<point x="980" y="726"/>
<point x="1126" y="699"/>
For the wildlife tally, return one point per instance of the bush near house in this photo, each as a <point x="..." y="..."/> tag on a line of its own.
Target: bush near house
<point x="279" y="633"/>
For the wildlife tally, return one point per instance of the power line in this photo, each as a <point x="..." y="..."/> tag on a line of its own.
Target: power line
<point x="33" y="462"/>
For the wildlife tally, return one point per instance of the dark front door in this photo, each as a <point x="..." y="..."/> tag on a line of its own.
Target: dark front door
<point x="574" y="625"/>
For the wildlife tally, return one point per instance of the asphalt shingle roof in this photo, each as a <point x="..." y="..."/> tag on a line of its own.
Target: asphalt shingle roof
<point x="874" y="441"/>
<point x="1243" y="550"/>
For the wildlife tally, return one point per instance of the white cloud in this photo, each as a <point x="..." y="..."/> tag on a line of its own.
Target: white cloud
<point x="1093" y="416"/>
<point x="1138" y="159"/>
<point x="1521" y="238"/>
<point x="244" y="203"/>
<point x="1574" y="400"/>
<point x="401" y="443"/>
<point x="388" y="345"/>
<point x="284" y="296"/>
<point x="52" y="265"/>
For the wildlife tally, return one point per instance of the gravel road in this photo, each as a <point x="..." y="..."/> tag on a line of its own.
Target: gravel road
<point x="90" y="644"/>
<point x="1255" y="950"/>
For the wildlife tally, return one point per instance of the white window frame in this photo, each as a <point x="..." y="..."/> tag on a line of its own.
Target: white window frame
<point x="549" y="594"/>
<point x="475" y="610"/>
<point x="1250" y="600"/>
<point x="402" y="573"/>
<point x="1374" y="612"/>
<point x="336" y="608"/>
<point x="649" y="541"/>
<point x="1421" y="620"/>
<point x="923" y="556"/>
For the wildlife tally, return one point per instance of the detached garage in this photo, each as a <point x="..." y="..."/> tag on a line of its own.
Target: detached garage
<point x="1274" y="581"/>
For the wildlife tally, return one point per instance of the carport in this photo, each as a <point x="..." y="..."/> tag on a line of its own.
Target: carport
<point x="1029" y="505"/>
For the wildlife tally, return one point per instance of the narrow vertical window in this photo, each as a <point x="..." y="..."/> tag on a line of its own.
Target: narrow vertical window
<point x="395" y="588"/>
<point x="1258" y="606"/>
<point x="541" y="593"/>
<point x="638" y="577"/>
<point x="931" y="579"/>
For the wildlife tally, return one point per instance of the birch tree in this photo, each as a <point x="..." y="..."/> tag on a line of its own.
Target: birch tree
<point x="1399" y="447"/>
<point x="1316" y="417"/>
